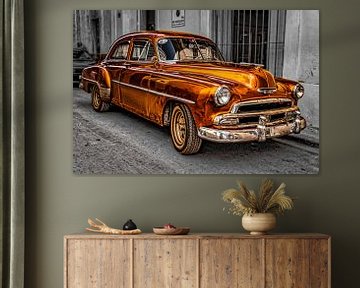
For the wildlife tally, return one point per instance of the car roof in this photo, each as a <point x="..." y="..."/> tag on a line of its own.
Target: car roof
<point x="160" y="34"/>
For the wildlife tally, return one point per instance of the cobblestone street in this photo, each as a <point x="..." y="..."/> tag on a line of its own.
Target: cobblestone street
<point x="118" y="142"/>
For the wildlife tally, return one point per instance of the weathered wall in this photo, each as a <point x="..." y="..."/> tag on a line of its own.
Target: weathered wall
<point x="111" y="25"/>
<point x="301" y="58"/>
<point x="85" y="36"/>
<point x="106" y="28"/>
<point x="130" y="21"/>
<point x="196" y="21"/>
<point x="58" y="202"/>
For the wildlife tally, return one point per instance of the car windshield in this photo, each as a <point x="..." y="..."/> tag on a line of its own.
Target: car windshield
<point x="188" y="49"/>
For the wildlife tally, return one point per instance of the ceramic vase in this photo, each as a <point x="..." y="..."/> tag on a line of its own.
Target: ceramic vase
<point x="259" y="223"/>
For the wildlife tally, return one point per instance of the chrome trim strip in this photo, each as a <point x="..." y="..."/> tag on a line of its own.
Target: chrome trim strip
<point x="251" y="64"/>
<point x="250" y="125"/>
<point x="90" y="80"/>
<point x="267" y="90"/>
<point x="164" y="74"/>
<point x="116" y="66"/>
<point x="174" y="75"/>
<point x="236" y="106"/>
<point x="244" y="63"/>
<point x="154" y="92"/>
<point x="258" y="113"/>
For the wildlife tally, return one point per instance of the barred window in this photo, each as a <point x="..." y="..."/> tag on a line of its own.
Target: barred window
<point x="251" y="36"/>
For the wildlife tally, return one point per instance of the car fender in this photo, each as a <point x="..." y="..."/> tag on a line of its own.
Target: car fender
<point x="99" y="76"/>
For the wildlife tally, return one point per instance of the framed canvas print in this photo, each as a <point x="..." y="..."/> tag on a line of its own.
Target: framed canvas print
<point x="66" y="138"/>
<point x="195" y="92"/>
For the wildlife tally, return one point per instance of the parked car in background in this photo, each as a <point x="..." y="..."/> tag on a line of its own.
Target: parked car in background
<point x="81" y="59"/>
<point x="182" y="81"/>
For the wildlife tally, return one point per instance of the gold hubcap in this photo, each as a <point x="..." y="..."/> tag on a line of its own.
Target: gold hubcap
<point x="178" y="127"/>
<point x="96" y="98"/>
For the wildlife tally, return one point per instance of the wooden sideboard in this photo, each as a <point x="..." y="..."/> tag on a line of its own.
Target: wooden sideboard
<point x="197" y="261"/>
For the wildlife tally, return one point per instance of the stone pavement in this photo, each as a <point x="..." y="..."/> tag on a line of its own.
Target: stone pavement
<point x="309" y="136"/>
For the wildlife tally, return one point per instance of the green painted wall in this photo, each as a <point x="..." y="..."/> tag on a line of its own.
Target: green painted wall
<point x="59" y="203"/>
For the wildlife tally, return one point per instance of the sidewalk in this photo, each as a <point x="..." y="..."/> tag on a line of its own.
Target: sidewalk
<point x="310" y="136"/>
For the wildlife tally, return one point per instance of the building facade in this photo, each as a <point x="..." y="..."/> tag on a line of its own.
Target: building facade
<point x="285" y="41"/>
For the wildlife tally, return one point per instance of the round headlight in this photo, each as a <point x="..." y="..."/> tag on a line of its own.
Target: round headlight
<point x="298" y="91"/>
<point x="222" y="96"/>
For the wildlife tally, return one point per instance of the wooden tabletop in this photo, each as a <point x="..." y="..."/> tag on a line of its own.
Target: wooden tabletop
<point x="89" y="235"/>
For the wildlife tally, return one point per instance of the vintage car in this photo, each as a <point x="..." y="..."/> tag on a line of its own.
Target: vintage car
<point x="181" y="80"/>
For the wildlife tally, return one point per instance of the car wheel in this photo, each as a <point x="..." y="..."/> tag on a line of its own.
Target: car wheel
<point x="96" y="102"/>
<point x="183" y="130"/>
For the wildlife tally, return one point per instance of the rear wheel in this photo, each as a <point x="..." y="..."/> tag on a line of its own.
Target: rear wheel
<point x="96" y="102"/>
<point x="183" y="130"/>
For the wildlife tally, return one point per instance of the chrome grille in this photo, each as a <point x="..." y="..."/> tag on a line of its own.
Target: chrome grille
<point x="255" y="119"/>
<point x="262" y="105"/>
<point x="250" y="113"/>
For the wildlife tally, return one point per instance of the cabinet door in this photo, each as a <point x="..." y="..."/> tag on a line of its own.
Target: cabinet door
<point x="287" y="263"/>
<point x="167" y="263"/>
<point x="98" y="263"/>
<point x="320" y="263"/>
<point x="231" y="263"/>
<point x="297" y="263"/>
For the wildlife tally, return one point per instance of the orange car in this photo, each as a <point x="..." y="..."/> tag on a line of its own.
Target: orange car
<point x="181" y="80"/>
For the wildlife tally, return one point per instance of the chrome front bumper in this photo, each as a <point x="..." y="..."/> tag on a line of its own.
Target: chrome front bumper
<point x="259" y="133"/>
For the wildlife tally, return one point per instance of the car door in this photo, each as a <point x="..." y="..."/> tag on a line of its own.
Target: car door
<point x="115" y="64"/>
<point x="135" y="79"/>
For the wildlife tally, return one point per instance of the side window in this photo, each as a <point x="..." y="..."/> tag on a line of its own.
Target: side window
<point x="143" y="50"/>
<point x="121" y="51"/>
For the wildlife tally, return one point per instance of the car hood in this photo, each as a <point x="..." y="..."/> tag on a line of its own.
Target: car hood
<point x="231" y="74"/>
